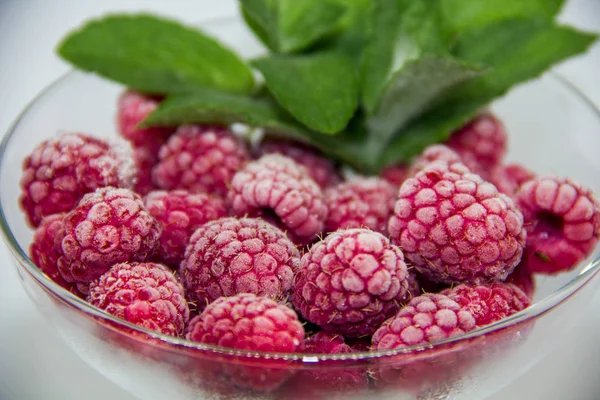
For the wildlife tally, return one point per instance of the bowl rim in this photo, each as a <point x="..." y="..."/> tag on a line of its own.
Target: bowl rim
<point x="536" y="309"/>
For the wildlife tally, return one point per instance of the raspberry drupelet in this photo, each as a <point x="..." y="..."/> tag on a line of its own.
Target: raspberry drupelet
<point x="200" y="159"/>
<point x="230" y="256"/>
<point x="180" y="213"/>
<point x="350" y="282"/>
<point x="277" y="189"/>
<point x="108" y="226"/>
<point x="145" y="294"/>
<point x="61" y="170"/>
<point x="563" y="223"/>
<point x="360" y="203"/>
<point x="509" y="178"/>
<point x="455" y="227"/>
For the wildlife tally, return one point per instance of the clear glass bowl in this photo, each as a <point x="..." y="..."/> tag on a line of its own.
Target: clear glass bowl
<point x="553" y="129"/>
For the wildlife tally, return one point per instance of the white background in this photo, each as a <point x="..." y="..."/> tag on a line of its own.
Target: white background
<point x="35" y="364"/>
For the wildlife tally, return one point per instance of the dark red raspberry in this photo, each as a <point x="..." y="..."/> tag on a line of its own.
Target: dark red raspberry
<point x="455" y="227"/>
<point x="523" y="279"/>
<point x="201" y="159"/>
<point x="360" y="203"/>
<point x="108" y="226"/>
<point x="489" y="303"/>
<point x="351" y="282"/>
<point x="395" y="174"/>
<point x="230" y="256"/>
<point x="508" y="178"/>
<point x="61" y="170"/>
<point x="319" y="167"/>
<point x="180" y="213"/>
<point x="145" y="294"/>
<point x="277" y="189"/>
<point x="563" y="223"/>
<point x="434" y="152"/>
<point x="325" y="343"/>
<point x="145" y="160"/>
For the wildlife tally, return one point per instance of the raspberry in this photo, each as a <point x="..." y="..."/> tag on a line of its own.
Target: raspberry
<point x="395" y="174"/>
<point x="489" y="303"/>
<point x="563" y="223"/>
<point x="319" y="167"/>
<point x="201" y="159"/>
<point x="508" y="178"/>
<point x="145" y="294"/>
<point x="180" y="213"/>
<point x="108" y="226"/>
<point x="413" y="286"/>
<point x="435" y="152"/>
<point x="230" y="256"/>
<point x="145" y="160"/>
<point x="351" y="282"/>
<point x="523" y="279"/>
<point x="325" y="343"/>
<point x="455" y="227"/>
<point x="360" y="203"/>
<point x="61" y="170"/>
<point x="276" y="188"/>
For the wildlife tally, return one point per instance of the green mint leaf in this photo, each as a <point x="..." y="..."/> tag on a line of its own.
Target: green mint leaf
<point x="288" y="26"/>
<point x="155" y="55"/>
<point x="319" y="90"/>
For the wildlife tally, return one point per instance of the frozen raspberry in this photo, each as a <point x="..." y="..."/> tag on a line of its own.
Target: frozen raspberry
<point x="395" y="174"/>
<point x="360" y="203"/>
<point x="108" y="226"/>
<point x="508" y="178"/>
<point x="427" y="318"/>
<point x="455" y="227"/>
<point x="201" y="159"/>
<point x="481" y="143"/>
<point x="351" y="282"/>
<point x="275" y="188"/>
<point x="230" y="256"/>
<point x="145" y="160"/>
<point x="180" y="213"/>
<point x="435" y="152"/>
<point x="563" y="223"/>
<point x="489" y="303"/>
<point x="61" y="170"/>
<point x="145" y="294"/>
<point x="413" y="287"/>
<point x="523" y="279"/>
<point x="319" y="167"/>
<point x="325" y="343"/>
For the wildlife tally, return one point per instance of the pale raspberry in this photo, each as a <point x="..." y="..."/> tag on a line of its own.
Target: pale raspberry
<point x="434" y="152"/>
<point x="351" y="282"/>
<point x="201" y="159"/>
<point x="180" y="213"/>
<point x="360" y="203"/>
<point x="230" y="256"/>
<point x="275" y="188"/>
<point x="395" y="174"/>
<point x="108" y="226"/>
<point x="508" y="178"/>
<point x="563" y="223"/>
<point x="145" y="294"/>
<point x="455" y="227"/>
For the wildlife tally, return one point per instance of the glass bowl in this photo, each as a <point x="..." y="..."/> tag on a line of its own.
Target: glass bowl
<point x="553" y="129"/>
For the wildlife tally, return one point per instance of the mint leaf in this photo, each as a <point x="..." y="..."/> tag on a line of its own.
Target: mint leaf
<point x="288" y="26"/>
<point x="155" y="55"/>
<point x="319" y="90"/>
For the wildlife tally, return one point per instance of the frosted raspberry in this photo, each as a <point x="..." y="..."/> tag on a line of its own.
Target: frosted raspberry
<point x="395" y="174"/>
<point x="413" y="286"/>
<point x="351" y="282"/>
<point x="523" y="279"/>
<point x="201" y="159"/>
<point x="489" y="303"/>
<point x="508" y="178"/>
<point x="230" y="256"/>
<point x="455" y="227"/>
<point x="108" y="226"/>
<point x="427" y="318"/>
<point x="563" y="223"/>
<point x="145" y="160"/>
<point x="434" y="152"/>
<point x="319" y="167"/>
<point x="360" y="203"/>
<point x="145" y="294"/>
<point x="180" y="213"/>
<point x="61" y="170"/>
<point x="276" y="188"/>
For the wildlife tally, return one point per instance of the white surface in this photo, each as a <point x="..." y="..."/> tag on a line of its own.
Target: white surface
<point x="35" y="364"/>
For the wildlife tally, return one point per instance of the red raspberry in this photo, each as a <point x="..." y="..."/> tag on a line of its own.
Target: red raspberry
<point x="230" y="256"/>
<point x="413" y="287"/>
<point x="325" y="343"/>
<point x="351" y="282"/>
<point x="61" y="170"/>
<point x="395" y="174"/>
<point x="489" y="303"/>
<point x="523" y="279"/>
<point x="201" y="159"/>
<point x="360" y="203"/>
<point x="434" y="152"/>
<point x="276" y="188"/>
<point x="145" y="294"/>
<point x="145" y="160"/>
<point x="563" y="223"/>
<point x="108" y="226"/>
<point x="508" y="178"/>
<point x="455" y="227"/>
<point x="319" y="167"/>
<point x="180" y="213"/>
